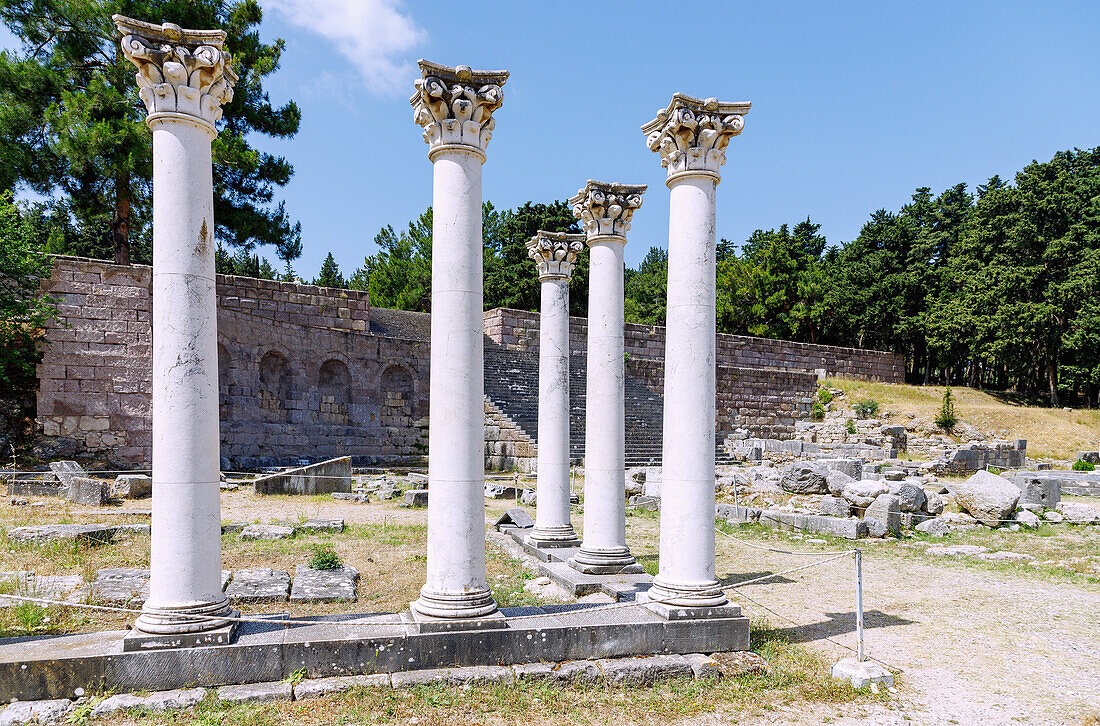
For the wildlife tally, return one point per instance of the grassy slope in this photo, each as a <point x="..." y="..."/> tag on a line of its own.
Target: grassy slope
<point x="1050" y="432"/>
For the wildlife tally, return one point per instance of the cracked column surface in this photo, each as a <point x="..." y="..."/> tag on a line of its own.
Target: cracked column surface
<point x="554" y="253"/>
<point x="691" y="135"/>
<point x="455" y="108"/>
<point x="605" y="210"/>
<point x="184" y="77"/>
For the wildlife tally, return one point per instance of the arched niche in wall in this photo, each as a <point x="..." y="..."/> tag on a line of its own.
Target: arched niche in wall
<point x="334" y="391"/>
<point x="276" y="387"/>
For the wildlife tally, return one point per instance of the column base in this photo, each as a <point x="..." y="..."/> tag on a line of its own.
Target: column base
<point x="158" y="619"/>
<point x="691" y="612"/>
<point x="419" y="623"/>
<point x="139" y="640"/>
<point x="547" y="537"/>
<point x="453" y="605"/>
<point x="695" y="595"/>
<point x="616" y="561"/>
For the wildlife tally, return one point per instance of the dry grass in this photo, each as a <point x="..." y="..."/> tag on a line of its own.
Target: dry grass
<point x="389" y="554"/>
<point x="1050" y="432"/>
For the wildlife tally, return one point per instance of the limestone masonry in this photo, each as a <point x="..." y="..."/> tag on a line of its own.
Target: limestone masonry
<point x="317" y="373"/>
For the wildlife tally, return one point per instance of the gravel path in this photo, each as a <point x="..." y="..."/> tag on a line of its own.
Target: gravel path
<point x="973" y="646"/>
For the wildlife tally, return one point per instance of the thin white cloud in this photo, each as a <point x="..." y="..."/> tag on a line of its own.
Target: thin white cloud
<point x="372" y="34"/>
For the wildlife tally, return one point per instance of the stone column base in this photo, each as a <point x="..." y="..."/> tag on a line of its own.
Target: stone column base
<point x="419" y="623"/>
<point x="453" y="605"/>
<point x="679" y="612"/>
<point x="605" y="562"/>
<point x="138" y="640"/>
<point x="556" y="537"/>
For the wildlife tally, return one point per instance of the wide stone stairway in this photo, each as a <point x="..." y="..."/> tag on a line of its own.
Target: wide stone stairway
<point x="512" y="385"/>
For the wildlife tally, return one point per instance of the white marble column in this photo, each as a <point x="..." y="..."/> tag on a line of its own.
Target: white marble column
<point x="185" y="77"/>
<point x="605" y="210"/>
<point x="691" y="135"/>
<point x="455" y="107"/>
<point x="554" y="253"/>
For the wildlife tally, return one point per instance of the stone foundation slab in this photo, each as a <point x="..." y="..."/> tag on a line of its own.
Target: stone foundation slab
<point x="345" y="645"/>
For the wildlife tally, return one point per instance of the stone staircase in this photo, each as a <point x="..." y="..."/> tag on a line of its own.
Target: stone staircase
<point x="512" y="387"/>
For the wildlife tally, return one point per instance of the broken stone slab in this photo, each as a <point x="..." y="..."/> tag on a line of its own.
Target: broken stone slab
<point x="66" y="471"/>
<point x="259" y="585"/>
<point x="233" y="527"/>
<point x="133" y="528"/>
<point x="256" y="692"/>
<point x="325" y="477"/>
<point x="933" y="503"/>
<point x="318" y="687"/>
<point x="357" y="497"/>
<point x="89" y="492"/>
<point x="838" y="481"/>
<point x="47" y="587"/>
<point x="909" y="520"/>
<point x="640" y="501"/>
<point x="861" y="674"/>
<point x="741" y="663"/>
<point x="835" y="507"/>
<point x="267" y="532"/>
<point x="703" y="665"/>
<point x="44" y="712"/>
<point x="853" y="468"/>
<point x="1004" y="556"/>
<point x="1026" y="518"/>
<point x="529" y="497"/>
<point x="937" y="527"/>
<point x="515" y="518"/>
<point x="1039" y="491"/>
<point x="911" y="496"/>
<point x="643" y="670"/>
<point x="1054" y="517"/>
<point x="573" y="671"/>
<point x="416" y="498"/>
<point x="804" y="478"/>
<point x="850" y="528"/>
<point x="322" y="525"/>
<point x="501" y="491"/>
<point x="120" y="586"/>
<point x="131" y="486"/>
<point x="986" y="497"/>
<point x="956" y="550"/>
<point x="1076" y="513"/>
<point x="159" y="701"/>
<point x="96" y="533"/>
<point x="312" y="585"/>
<point x="863" y="492"/>
<point x="885" y="509"/>
<point x="462" y="676"/>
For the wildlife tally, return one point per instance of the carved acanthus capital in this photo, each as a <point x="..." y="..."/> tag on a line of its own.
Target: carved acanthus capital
<point x="555" y="252"/>
<point x="455" y="106"/>
<point x="692" y="134"/>
<point x="179" y="71"/>
<point x="606" y="208"/>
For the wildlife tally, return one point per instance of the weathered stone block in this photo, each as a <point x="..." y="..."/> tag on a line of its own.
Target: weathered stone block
<point x="312" y="585"/>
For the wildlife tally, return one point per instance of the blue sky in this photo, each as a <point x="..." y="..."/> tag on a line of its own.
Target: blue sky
<point x="854" y="104"/>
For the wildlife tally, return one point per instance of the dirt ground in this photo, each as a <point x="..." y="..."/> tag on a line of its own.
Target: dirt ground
<point x="973" y="642"/>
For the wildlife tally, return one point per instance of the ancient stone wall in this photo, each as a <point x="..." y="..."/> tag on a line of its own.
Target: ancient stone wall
<point x="301" y="373"/>
<point x="519" y="329"/>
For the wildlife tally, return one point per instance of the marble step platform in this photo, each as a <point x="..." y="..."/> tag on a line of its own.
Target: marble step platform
<point x="343" y="645"/>
<point x="554" y="563"/>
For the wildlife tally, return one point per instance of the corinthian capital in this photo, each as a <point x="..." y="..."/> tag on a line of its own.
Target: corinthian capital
<point x="606" y="208"/>
<point x="555" y="252"/>
<point x="692" y="134"/>
<point x="179" y="71"/>
<point x="455" y="106"/>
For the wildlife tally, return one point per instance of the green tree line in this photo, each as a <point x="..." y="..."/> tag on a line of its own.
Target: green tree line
<point x="996" y="288"/>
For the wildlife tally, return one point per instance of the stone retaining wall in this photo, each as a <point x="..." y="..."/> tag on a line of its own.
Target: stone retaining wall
<point x="300" y="373"/>
<point x="519" y="329"/>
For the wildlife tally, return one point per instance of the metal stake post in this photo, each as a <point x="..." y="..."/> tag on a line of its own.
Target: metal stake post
<point x="859" y="605"/>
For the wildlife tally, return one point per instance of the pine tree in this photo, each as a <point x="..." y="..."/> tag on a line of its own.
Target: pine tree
<point x="73" y="128"/>
<point x="330" y="274"/>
